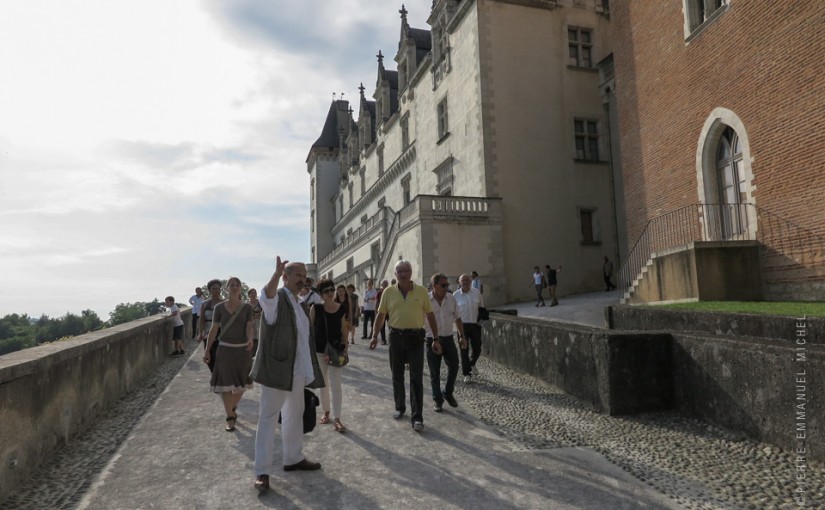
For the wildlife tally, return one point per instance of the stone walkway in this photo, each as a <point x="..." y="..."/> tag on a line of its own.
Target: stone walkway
<point x="514" y="442"/>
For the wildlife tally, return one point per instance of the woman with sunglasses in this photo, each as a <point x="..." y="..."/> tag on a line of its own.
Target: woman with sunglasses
<point x="330" y="324"/>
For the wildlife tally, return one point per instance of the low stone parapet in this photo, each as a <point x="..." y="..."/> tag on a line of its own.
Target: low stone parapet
<point x="651" y="318"/>
<point x="616" y="373"/>
<point x="50" y="393"/>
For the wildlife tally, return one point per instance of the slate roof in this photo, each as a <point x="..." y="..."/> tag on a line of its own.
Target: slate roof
<point x="329" y="134"/>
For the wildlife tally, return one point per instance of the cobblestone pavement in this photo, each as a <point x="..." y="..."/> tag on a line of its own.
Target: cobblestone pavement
<point x="62" y="482"/>
<point x="694" y="464"/>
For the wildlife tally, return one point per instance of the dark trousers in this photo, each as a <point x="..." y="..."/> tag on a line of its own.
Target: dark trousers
<point x="407" y="346"/>
<point x="369" y="317"/>
<point x="194" y="325"/>
<point x="473" y="334"/>
<point x="539" y="289"/>
<point x="450" y="355"/>
<point x="609" y="285"/>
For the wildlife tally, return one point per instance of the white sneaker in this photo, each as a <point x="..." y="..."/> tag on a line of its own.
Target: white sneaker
<point x="418" y="426"/>
<point x="468" y="379"/>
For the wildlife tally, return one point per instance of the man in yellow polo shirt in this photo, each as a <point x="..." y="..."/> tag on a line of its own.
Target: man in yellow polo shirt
<point x="407" y="305"/>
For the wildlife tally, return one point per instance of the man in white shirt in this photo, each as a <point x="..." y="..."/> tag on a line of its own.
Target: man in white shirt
<point x="469" y="300"/>
<point x="196" y="301"/>
<point x="369" y="308"/>
<point x="446" y="313"/>
<point x="308" y="295"/>
<point x="283" y="366"/>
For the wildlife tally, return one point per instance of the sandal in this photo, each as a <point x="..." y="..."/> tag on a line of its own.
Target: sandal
<point x="325" y="418"/>
<point x="339" y="427"/>
<point x="230" y="428"/>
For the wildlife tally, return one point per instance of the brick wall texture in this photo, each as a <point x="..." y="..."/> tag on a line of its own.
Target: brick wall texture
<point x="761" y="59"/>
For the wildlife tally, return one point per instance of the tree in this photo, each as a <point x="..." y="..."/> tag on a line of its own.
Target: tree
<point x="225" y="292"/>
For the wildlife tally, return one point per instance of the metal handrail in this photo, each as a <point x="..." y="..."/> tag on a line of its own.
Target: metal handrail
<point x="786" y="247"/>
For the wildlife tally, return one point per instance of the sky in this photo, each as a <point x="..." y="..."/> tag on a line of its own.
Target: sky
<point x="149" y="146"/>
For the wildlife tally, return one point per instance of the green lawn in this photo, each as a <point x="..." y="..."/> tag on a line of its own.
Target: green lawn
<point x="791" y="308"/>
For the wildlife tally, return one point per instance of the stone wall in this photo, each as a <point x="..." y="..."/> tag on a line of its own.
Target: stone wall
<point x="777" y="327"/>
<point x="746" y="384"/>
<point x="616" y="373"/>
<point x="51" y="393"/>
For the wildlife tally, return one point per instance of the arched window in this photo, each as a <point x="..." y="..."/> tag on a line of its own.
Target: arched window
<point x="724" y="177"/>
<point x="732" y="186"/>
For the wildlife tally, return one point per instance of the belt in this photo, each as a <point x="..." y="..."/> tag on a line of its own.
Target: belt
<point x="226" y="344"/>
<point x="399" y="331"/>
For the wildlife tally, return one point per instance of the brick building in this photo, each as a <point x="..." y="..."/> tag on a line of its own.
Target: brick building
<point x="720" y="108"/>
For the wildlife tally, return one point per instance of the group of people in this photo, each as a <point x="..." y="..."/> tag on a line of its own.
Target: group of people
<point x="548" y="279"/>
<point x="282" y="342"/>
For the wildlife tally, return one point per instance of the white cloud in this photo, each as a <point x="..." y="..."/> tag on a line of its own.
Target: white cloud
<point x="146" y="147"/>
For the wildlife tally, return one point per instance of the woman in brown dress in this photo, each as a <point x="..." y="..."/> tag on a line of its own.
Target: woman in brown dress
<point x="233" y="360"/>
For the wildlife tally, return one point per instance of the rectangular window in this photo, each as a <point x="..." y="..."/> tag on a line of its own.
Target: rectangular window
<point x="312" y="190"/>
<point x="341" y="207"/>
<point x="405" y="132"/>
<point x="586" y="217"/>
<point x="312" y="221"/>
<point x="350" y="265"/>
<point x="699" y="11"/>
<point x="381" y="160"/>
<point x="587" y="139"/>
<point x="363" y="175"/>
<point x="375" y="251"/>
<point x="443" y="119"/>
<point x="405" y="187"/>
<point x="351" y="199"/>
<point x="580" y="45"/>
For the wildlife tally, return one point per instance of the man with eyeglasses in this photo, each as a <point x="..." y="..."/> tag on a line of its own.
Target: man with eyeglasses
<point x="308" y="295"/>
<point x="469" y="300"/>
<point x="445" y="310"/>
<point x="407" y="305"/>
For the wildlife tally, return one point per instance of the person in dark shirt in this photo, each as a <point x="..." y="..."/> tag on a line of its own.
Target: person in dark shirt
<point x="551" y="283"/>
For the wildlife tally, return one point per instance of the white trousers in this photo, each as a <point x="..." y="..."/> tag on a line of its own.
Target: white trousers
<point x="332" y="377"/>
<point x="291" y="406"/>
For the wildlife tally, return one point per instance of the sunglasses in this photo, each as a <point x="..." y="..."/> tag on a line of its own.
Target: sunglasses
<point x="327" y="290"/>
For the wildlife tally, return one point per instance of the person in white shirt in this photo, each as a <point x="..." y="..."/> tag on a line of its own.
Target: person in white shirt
<point x="283" y="366"/>
<point x="477" y="282"/>
<point x="446" y="313"/>
<point x="368" y="308"/>
<point x="177" y="330"/>
<point x="196" y="301"/>
<point x="469" y="300"/>
<point x="308" y="295"/>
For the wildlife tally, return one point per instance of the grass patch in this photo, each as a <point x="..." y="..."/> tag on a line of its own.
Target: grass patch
<point x="791" y="308"/>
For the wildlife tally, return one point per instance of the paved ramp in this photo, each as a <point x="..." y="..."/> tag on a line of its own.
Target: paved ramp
<point x="179" y="456"/>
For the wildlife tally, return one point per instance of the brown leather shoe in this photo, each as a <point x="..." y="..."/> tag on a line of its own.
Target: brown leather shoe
<point x="262" y="482"/>
<point x="304" y="465"/>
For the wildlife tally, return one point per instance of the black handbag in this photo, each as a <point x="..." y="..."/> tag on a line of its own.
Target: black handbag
<point x="310" y="415"/>
<point x="483" y="314"/>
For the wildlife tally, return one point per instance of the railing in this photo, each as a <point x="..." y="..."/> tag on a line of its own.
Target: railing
<point x="788" y="251"/>
<point x="354" y="237"/>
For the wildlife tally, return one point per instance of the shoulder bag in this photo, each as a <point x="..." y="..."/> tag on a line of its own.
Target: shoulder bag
<point x="335" y="357"/>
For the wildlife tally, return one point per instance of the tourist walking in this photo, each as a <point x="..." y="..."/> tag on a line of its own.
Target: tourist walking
<point x="446" y="314"/>
<point x="469" y="300"/>
<point x="330" y="326"/>
<point x="284" y="366"/>
<point x="477" y="284"/>
<point x="177" y="327"/>
<point x="378" y="296"/>
<point x="233" y="360"/>
<point x="342" y="296"/>
<point x="607" y="271"/>
<point x="551" y="283"/>
<point x="355" y="308"/>
<point x="256" y="318"/>
<point x="407" y="305"/>
<point x="196" y="301"/>
<point x="205" y="320"/>
<point x="539" y="282"/>
<point x="368" y="308"/>
<point x="309" y="295"/>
